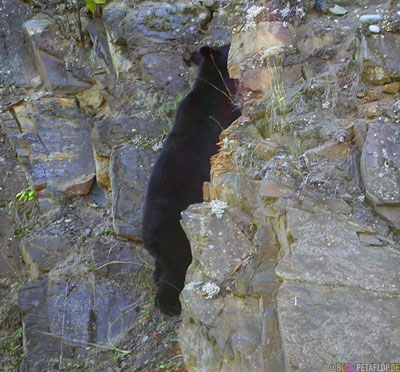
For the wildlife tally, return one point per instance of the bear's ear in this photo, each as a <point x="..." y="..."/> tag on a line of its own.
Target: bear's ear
<point x="195" y="58"/>
<point x="205" y="51"/>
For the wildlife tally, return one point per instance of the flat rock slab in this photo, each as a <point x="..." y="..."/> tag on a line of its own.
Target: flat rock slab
<point x="16" y="65"/>
<point x="247" y="43"/>
<point x="164" y="71"/>
<point x="327" y="250"/>
<point x="379" y="165"/>
<point x="328" y="325"/>
<point x="131" y="167"/>
<point x="225" y="329"/>
<point x="228" y="332"/>
<point x="55" y="146"/>
<point x="64" y="318"/>
<point x="380" y="58"/>
<point x="52" y="53"/>
<point x="42" y="253"/>
<point x="111" y="132"/>
<point x="114" y="257"/>
<point x="104" y="312"/>
<point x="218" y="244"/>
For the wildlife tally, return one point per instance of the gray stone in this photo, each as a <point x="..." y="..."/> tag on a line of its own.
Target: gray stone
<point x="51" y="54"/>
<point x="374" y="29"/>
<point x="378" y="57"/>
<point x="164" y="71"/>
<point x="101" y="319"/>
<point x="327" y="251"/>
<point x="130" y="171"/>
<point x="16" y="66"/>
<point x="55" y="75"/>
<point x="317" y="202"/>
<point x="62" y="318"/>
<point x="153" y="22"/>
<point x="380" y="164"/>
<point x="227" y="330"/>
<point x="338" y="10"/>
<point x="343" y="2"/>
<point x="110" y="132"/>
<point x="114" y="257"/>
<point x="229" y="339"/>
<point x="265" y="280"/>
<point x="370" y="18"/>
<point x="222" y="22"/>
<point x="218" y="244"/>
<point x="42" y="253"/>
<point x="55" y="147"/>
<point x="101" y="47"/>
<point x="38" y="344"/>
<point x="328" y="325"/>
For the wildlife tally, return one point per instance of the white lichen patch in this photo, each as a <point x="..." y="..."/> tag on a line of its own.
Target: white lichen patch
<point x="157" y="146"/>
<point x="225" y="144"/>
<point x="218" y="207"/>
<point x="285" y="12"/>
<point x="210" y="289"/>
<point x="250" y="17"/>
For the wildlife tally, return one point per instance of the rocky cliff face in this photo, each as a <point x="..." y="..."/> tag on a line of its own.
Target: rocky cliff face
<point x="296" y="247"/>
<point x="303" y="259"/>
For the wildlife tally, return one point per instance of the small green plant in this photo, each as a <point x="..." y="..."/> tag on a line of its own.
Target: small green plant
<point x="90" y="266"/>
<point x="18" y="234"/>
<point x="144" y="314"/>
<point x="169" y="366"/>
<point x="76" y="365"/>
<point x="118" y="356"/>
<point x="92" y="4"/>
<point x="107" y="232"/>
<point x="26" y="195"/>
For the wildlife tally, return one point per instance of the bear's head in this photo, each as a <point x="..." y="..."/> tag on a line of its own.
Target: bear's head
<point x="212" y="66"/>
<point x="207" y="54"/>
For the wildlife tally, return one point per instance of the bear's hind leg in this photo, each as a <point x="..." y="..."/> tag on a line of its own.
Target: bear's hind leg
<point x="158" y="271"/>
<point x="170" y="285"/>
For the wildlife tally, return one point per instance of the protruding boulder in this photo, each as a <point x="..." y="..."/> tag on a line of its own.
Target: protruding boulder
<point x="380" y="164"/>
<point x="55" y="147"/>
<point x="51" y="54"/>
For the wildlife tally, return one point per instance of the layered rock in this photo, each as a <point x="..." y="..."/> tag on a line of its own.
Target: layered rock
<point x="314" y="266"/>
<point x="53" y="144"/>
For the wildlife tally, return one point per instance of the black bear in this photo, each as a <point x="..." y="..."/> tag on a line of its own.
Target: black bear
<point x="184" y="164"/>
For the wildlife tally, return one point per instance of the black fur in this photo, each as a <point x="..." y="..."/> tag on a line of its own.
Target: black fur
<point x="183" y="166"/>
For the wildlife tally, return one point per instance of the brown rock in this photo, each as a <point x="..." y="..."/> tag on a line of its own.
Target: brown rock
<point x="246" y="44"/>
<point x="257" y="79"/>
<point x="392" y="88"/>
<point x="361" y="94"/>
<point x="91" y="98"/>
<point x="374" y="94"/>
<point x="78" y="186"/>
<point x="329" y="150"/>
<point x="272" y="189"/>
